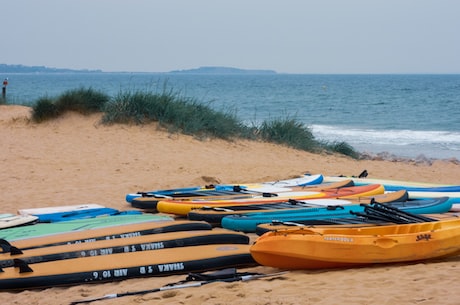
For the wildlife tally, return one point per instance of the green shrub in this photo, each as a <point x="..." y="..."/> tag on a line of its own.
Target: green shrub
<point x="44" y="109"/>
<point x="173" y="112"/>
<point x="127" y="107"/>
<point x="342" y="148"/>
<point x="289" y="132"/>
<point x="82" y="100"/>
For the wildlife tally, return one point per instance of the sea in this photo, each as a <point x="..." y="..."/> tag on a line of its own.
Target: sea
<point x="410" y="116"/>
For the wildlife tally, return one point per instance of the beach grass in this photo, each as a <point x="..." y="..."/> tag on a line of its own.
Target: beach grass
<point x="184" y="115"/>
<point x="172" y="112"/>
<point x="45" y="108"/>
<point x="291" y="132"/>
<point x="82" y="100"/>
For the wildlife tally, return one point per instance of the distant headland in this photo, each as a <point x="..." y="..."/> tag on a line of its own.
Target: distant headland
<point x="4" y="68"/>
<point x="40" y="69"/>
<point x="222" y="70"/>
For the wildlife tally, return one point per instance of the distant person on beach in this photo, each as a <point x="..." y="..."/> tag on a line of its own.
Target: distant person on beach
<point x="5" y="83"/>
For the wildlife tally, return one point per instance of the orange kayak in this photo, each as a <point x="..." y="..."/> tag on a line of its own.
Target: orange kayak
<point x="313" y="248"/>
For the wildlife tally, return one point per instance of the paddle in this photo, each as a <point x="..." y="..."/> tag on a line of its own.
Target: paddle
<point x="378" y="211"/>
<point x="225" y="275"/>
<point x="388" y="210"/>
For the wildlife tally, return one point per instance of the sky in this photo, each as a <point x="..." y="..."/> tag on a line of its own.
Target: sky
<point x="290" y="36"/>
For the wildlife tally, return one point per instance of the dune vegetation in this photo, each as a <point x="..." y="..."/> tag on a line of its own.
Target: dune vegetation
<point x="184" y="115"/>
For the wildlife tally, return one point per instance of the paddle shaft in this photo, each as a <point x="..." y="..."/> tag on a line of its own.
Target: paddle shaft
<point x="243" y="278"/>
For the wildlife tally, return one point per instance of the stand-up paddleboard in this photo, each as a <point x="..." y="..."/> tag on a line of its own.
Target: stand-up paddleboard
<point x="181" y="207"/>
<point x="226" y="189"/>
<point x="396" y="185"/>
<point x="121" y="245"/>
<point x="42" y="229"/>
<point x="111" y="232"/>
<point x="123" y="266"/>
<point x="73" y="212"/>
<point x="248" y="222"/>
<point x="11" y="221"/>
<point x="149" y="202"/>
<point x="454" y="197"/>
<point x="214" y="215"/>
<point x="418" y="195"/>
<point x="83" y="214"/>
<point x="304" y="180"/>
<point x="58" y="209"/>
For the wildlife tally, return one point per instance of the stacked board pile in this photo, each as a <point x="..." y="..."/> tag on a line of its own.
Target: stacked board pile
<point x="31" y="258"/>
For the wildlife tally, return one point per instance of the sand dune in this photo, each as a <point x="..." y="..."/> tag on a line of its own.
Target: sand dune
<point x="75" y="159"/>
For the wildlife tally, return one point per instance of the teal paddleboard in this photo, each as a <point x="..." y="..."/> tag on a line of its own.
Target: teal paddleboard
<point x="43" y="229"/>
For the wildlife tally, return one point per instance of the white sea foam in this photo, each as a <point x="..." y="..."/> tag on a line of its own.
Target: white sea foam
<point x="410" y="143"/>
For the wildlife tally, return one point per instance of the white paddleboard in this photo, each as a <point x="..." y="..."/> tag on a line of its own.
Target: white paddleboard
<point x="301" y="181"/>
<point x="11" y="220"/>
<point x="59" y="209"/>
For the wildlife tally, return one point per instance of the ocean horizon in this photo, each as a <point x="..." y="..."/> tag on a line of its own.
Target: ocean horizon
<point x="405" y="115"/>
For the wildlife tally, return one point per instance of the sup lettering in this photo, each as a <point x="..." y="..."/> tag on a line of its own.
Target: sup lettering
<point x="145" y="270"/>
<point x="128" y="235"/>
<point x="127" y="249"/>
<point x="105" y="251"/>
<point x="152" y="246"/>
<point x="120" y="272"/>
<point x="171" y="267"/>
<point x="106" y="274"/>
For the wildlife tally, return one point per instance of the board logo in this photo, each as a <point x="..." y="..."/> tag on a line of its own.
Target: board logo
<point x="171" y="267"/>
<point x="423" y="237"/>
<point x="226" y="248"/>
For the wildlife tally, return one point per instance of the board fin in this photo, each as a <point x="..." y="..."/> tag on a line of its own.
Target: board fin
<point x="363" y="174"/>
<point x="237" y="188"/>
<point x="22" y="265"/>
<point x="5" y="245"/>
<point x="15" y="251"/>
<point x="8" y="248"/>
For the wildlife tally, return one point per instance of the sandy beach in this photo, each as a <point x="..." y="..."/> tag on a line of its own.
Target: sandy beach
<point x="75" y="160"/>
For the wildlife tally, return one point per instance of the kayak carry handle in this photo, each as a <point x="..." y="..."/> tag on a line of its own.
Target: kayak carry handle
<point x="334" y="207"/>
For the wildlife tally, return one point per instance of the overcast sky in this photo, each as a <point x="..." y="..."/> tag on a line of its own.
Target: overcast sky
<point x="290" y="36"/>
